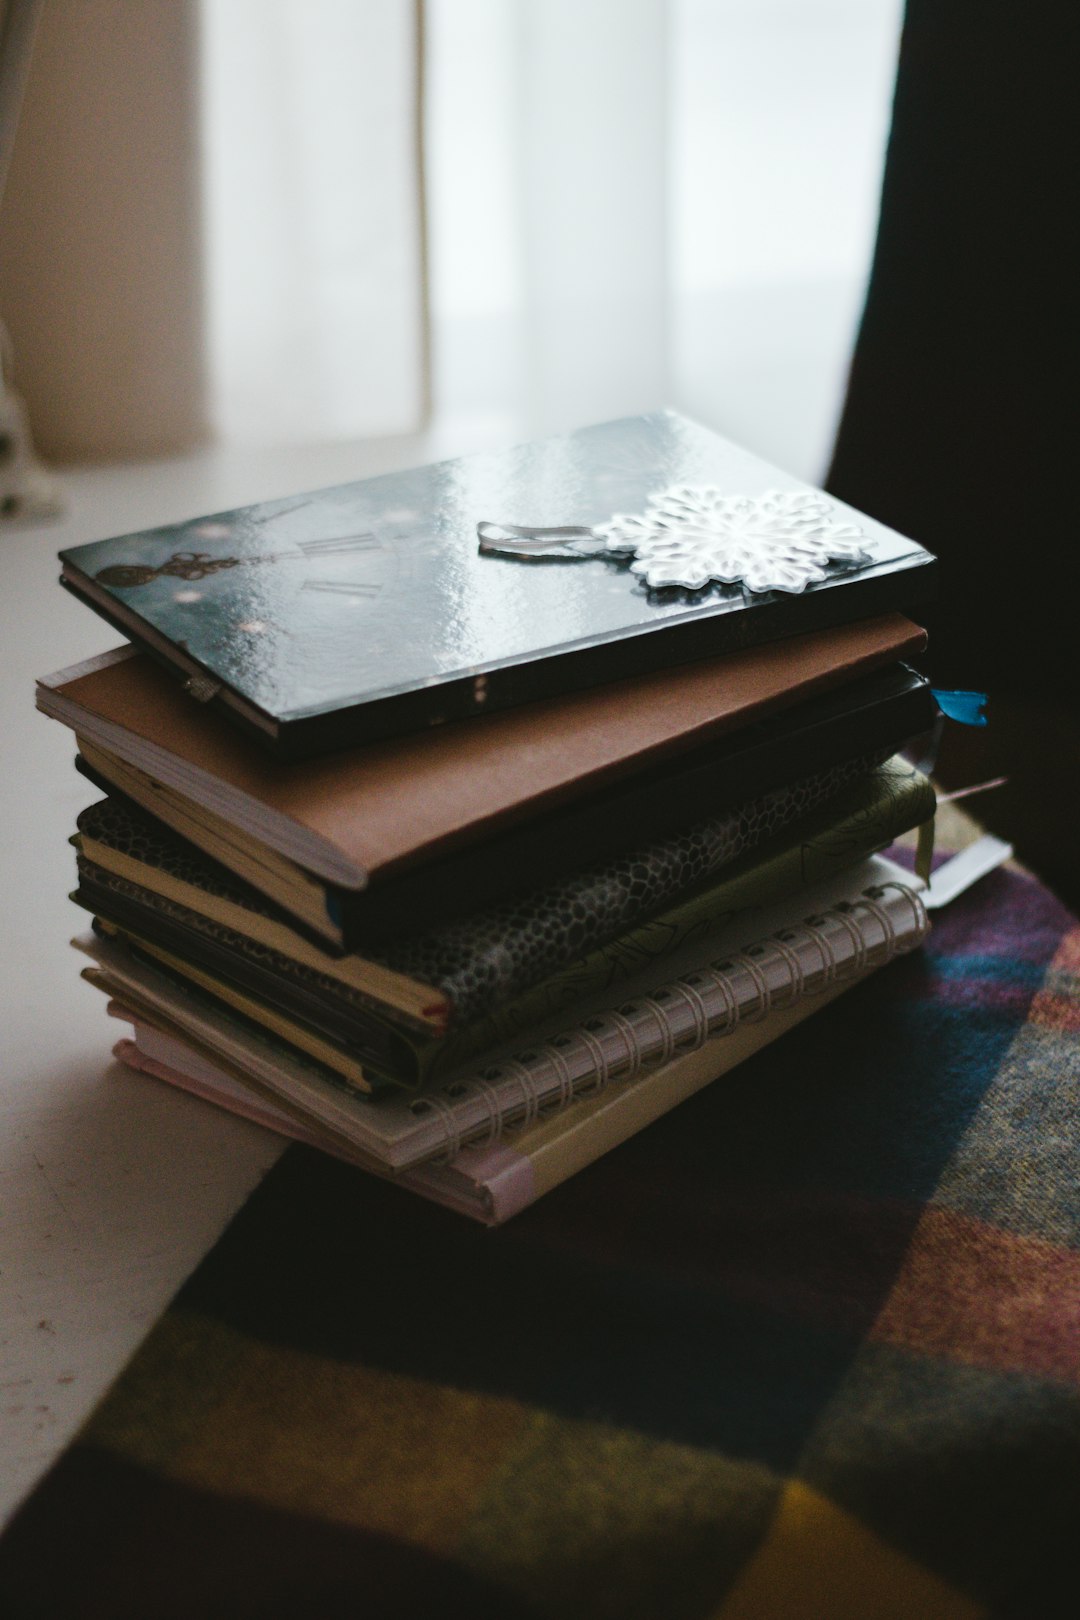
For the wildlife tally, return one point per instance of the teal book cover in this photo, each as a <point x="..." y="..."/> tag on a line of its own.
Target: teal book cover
<point x="423" y="596"/>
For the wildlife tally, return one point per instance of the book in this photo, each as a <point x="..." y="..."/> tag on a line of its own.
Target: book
<point x="386" y="606"/>
<point x="137" y="858"/>
<point x="494" y="1182"/>
<point x="352" y="837"/>
<point x="483" y="981"/>
<point x="881" y="712"/>
<point x="354" y="818"/>
<point x="759" y="966"/>
<point x="332" y="1056"/>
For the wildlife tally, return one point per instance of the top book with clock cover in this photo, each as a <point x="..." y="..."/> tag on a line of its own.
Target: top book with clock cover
<point x="380" y="607"/>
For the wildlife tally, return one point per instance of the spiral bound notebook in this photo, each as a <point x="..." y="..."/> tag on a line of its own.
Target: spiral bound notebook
<point x="494" y="1181"/>
<point x="765" y="963"/>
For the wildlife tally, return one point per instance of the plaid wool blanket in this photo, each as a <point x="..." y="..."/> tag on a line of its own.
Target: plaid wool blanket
<point x="809" y="1346"/>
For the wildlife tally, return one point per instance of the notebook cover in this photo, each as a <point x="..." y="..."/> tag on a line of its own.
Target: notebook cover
<point x="867" y="817"/>
<point x="369" y="609"/>
<point x="360" y="816"/>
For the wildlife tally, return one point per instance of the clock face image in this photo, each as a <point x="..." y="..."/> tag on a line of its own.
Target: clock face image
<point x="285" y="602"/>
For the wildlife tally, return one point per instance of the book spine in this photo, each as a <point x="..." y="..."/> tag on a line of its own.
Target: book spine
<point x="842" y="943"/>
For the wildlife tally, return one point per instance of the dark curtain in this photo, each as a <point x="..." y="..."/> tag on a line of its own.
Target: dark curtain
<point x="960" y="426"/>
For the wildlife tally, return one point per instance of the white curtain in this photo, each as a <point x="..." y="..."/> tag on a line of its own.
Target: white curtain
<point x="548" y="187"/>
<point x="313" y="213"/>
<point x="640" y="202"/>
<point x="629" y="203"/>
<point x="782" y="111"/>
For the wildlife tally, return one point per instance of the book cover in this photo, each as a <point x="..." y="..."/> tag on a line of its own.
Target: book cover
<point x="372" y="609"/>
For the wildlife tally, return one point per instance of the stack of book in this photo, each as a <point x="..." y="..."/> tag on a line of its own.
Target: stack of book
<point x="465" y="820"/>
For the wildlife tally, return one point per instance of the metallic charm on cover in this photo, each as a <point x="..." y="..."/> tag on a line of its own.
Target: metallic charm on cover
<point x="512" y="540"/>
<point x="196" y="565"/>
<point x="189" y="565"/>
<point x="691" y="536"/>
<point x="202" y="688"/>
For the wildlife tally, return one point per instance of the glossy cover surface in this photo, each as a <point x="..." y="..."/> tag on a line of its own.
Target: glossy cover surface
<point x="315" y="604"/>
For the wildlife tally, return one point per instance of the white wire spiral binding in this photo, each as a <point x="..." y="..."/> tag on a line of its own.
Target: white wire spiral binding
<point x="719" y="977"/>
<point x="566" y="1079"/>
<point x="842" y="915"/>
<point x="599" y="1057"/>
<point x="884" y="922"/>
<point x="450" y="1120"/>
<point x="529" y="1092"/>
<point x="761" y="985"/>
<point x="626" y="1029"/>
<point x="794" y="966"/>
<point x="828" y="960"/>
<point x="698" y="1009"/>
<point x="667" y="1037"/>
<point x="496" y="1107"/>
<point x="919" y="911"/>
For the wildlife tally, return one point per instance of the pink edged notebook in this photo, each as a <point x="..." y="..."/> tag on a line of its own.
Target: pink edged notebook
<point x="498" y="1140"/>
<point x="496" y="1180"/>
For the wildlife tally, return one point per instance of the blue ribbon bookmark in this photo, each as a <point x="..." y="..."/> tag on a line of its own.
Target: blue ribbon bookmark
<point x="966" y="707"/>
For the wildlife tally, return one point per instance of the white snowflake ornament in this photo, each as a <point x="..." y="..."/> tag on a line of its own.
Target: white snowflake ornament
<point x="691" y="536"/>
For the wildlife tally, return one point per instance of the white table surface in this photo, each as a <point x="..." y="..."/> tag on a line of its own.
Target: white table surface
<point x="112" y="1187"/>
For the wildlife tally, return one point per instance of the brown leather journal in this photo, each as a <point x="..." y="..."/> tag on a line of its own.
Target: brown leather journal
<point x="353" y="818"/>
